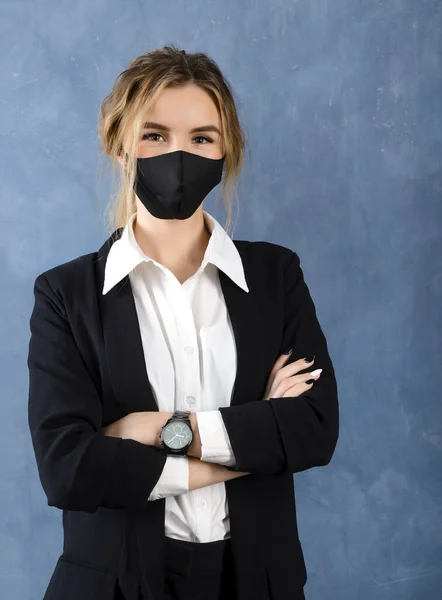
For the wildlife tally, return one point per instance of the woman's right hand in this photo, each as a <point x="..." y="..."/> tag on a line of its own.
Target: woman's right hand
<point x="283" y="381"/>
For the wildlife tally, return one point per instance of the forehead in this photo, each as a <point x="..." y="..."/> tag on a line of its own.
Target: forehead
<point x="183" y="106"/>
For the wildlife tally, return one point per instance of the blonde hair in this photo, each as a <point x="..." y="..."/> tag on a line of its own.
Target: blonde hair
<point x="123" y="110"/>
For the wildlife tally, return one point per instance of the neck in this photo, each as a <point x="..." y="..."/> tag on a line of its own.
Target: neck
<point x="176" y="244"/>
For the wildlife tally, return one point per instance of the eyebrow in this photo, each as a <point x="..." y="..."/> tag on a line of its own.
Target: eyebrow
<point x="152" y="125"/>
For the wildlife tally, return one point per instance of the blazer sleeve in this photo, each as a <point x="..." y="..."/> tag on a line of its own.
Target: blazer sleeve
<point x="79" y="467"/>
<point x="293" y="433"/>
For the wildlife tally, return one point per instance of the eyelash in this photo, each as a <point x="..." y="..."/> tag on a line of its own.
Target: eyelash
<point x="198" y="136"/>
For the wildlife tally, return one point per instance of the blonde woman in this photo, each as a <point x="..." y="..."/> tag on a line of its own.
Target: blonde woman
<point x="178" y="377"/>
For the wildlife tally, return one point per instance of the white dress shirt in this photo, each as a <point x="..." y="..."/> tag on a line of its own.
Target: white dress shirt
<point x="190" y="355"/>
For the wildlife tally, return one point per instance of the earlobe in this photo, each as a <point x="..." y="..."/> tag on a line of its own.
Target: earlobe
<point x="122" y="156"/>
<point x="123" y="161"/>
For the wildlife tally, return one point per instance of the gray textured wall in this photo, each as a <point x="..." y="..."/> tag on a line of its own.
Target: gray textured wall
<point x="341" y="103"/>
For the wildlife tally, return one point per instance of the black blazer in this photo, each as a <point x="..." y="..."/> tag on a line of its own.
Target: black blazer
<point x="87" y="369"/>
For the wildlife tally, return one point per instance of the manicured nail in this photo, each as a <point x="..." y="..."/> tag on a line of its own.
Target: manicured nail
<point x="316" y="373"/>
<point x="308" y="360"/>
<point x="288" y="351"/>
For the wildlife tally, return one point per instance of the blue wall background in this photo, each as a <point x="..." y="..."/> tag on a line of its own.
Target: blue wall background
<point x="341" y="102"/>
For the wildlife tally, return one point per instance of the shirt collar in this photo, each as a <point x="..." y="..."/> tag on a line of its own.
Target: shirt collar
<point x="125" y="254"/>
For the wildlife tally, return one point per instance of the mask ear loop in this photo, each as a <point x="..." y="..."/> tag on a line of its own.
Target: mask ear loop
<point x="125" y="155"/>
<point x="126" y="159"/>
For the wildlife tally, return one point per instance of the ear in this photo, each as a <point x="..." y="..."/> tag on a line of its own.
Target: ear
<point x="121" y="160"/>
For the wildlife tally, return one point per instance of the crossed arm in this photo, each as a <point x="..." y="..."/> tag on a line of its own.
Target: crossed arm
<point x="82" y="469"/>
<point x="199" y="468"/>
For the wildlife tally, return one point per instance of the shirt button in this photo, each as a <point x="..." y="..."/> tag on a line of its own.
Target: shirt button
<point x="190" y="399"/>
<point x="202" y="503"/>
<point x="188" y="349"/>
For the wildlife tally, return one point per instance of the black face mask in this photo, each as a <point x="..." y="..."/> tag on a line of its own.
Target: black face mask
<point x="174" y="184"/>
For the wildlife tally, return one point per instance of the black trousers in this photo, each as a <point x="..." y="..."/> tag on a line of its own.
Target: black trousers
<point x="199" y="571"/>
<point x="203" y="571"/>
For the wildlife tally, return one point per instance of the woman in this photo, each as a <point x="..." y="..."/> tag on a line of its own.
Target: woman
<point x="167" y="420"/>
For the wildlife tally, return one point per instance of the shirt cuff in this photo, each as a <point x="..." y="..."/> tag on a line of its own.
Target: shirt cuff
<point x="174" y="479"/>
<point x="215" y="442"/>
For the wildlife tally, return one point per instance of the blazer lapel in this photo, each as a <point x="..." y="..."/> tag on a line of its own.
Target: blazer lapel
<point x="248" y="328"/>
<point x="122" y="340"/>
<point x="124" y="350"/>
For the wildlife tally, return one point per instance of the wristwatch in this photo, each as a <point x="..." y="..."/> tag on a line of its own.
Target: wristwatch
<point x="176" y="435"/>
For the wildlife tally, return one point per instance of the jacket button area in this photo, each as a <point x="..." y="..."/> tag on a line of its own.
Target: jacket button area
<point x="188" y="350"/>
<point x="190" y="400"/>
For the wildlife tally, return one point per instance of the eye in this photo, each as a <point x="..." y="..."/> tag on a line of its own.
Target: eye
<point x="146" y="136"/>
<point x="203" y="137"/>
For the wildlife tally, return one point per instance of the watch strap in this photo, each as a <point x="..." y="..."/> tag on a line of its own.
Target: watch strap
<point x="181" y="414"/>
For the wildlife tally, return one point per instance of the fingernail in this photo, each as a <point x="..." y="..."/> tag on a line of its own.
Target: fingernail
<point x="309" y="359"/>
<point x="288" y="351"/>
<point x="316" y="373"/>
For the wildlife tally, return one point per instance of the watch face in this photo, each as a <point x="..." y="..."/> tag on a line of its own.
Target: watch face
<point x="177" y="435"/>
